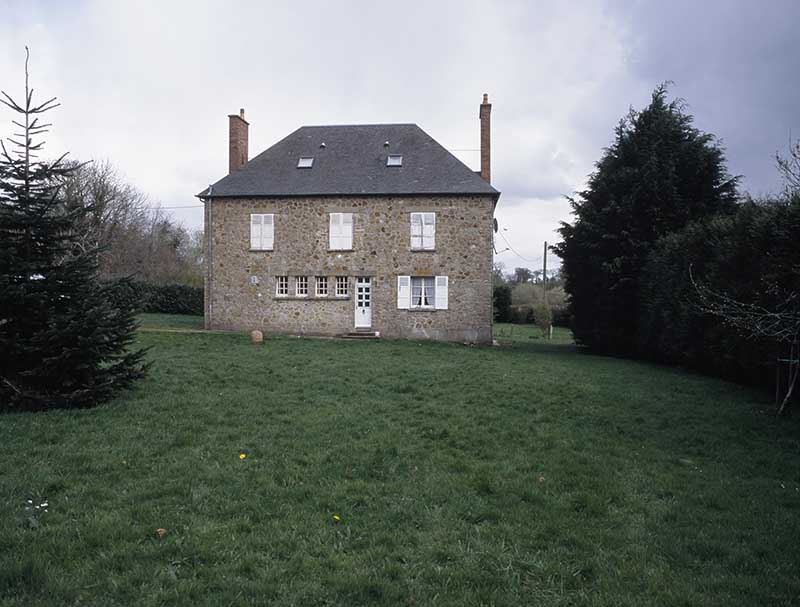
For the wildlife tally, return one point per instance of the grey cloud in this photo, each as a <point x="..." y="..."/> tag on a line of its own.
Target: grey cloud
<point x="149" y="84"/>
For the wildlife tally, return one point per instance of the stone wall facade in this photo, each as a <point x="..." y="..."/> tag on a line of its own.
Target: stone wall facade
<point x="240" y="290"/>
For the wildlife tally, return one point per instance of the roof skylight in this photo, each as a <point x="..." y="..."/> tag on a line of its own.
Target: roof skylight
<point x="305" y="162"/>
<point x="394" y="160"/>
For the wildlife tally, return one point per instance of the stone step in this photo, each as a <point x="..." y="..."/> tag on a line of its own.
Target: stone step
<point x="360" y="335"/>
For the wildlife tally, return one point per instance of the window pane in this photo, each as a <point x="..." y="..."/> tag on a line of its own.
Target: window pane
<point x="430" y="291"/>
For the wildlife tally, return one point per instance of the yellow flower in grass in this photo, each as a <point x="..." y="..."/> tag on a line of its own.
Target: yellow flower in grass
<point x="242" y="455"/>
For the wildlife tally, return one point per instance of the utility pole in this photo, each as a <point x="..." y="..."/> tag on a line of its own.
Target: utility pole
<point x="544" y="275"/>
<point x="544" y="288"/>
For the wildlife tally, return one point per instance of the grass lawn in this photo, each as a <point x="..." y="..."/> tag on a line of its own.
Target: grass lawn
<point x="170" y="321"/>
<point x="461" y="476"/>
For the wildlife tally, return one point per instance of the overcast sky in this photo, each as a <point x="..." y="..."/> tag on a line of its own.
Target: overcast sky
<point x="149" y="84"/>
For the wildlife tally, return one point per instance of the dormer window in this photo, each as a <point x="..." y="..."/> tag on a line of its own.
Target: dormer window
<point x="305" y="162"/>
<point x="394" y="160"/>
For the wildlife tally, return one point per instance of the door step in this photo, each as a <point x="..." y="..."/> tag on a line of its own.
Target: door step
<point x="361" y="335"/>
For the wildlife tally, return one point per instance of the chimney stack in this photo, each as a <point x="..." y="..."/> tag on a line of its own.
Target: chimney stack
<point x="237" y="141"/>
<point x="486" y="139"/>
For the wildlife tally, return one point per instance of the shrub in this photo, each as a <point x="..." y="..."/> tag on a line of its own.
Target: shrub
<point x="522" y="315"/>
<point x="752" y="256"/>
<point x="163" y="299"/>
<point x="543" y="317"/>
<point x="502" y="303"/>
<point x="561" y="316"/>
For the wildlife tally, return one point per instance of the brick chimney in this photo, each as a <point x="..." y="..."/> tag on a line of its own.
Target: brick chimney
<point x="237" y="141"/>
<point x="486" y="139"/>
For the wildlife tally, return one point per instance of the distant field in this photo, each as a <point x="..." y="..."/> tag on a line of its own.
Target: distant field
<point x="401" y="473"/>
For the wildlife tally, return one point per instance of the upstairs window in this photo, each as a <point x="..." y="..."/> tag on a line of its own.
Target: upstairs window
<point x="322" y="286"/>
<point x="262" y="231"/>
<point x="342" y="286"/>
<point x="394" y="160"/>
<point x="423" y="231"/>
<point x="301" y="286"/>
<point x="282" y="286"/>
<point x="341" y="231"/>
<point x="305" y="162"/>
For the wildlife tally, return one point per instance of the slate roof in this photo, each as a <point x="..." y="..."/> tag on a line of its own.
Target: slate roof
<point x="352" y="162"/>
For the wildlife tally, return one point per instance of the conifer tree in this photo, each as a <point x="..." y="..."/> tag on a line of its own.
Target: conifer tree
<point x="63" y="343"/>
<point x="659" y="174"/>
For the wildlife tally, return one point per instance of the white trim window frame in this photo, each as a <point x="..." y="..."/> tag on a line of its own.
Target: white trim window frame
<point x="423" y="231"/>
<point x="262" y="231"/>
<point x="423" y="292"/>
<point x="321" y="287"/>
<point x="301" y="286"/>
<point x="342" y="286"/>
<point x="281" y="286"/>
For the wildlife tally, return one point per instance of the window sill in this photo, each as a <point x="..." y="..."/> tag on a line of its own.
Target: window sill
<point x="422" y="250"/>
<point x="261" y="250"/>
<point x="340" y="250"/>
<point x="422" y="309"/>
<point x="310" y="297"/>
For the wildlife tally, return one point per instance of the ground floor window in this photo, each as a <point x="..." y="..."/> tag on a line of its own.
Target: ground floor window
<point x="322" y="286"/>
<point x="282" y="286"/>
<point x="301" y="286"/>
<point x="423" y="292"/>
<point x="342" y="286"/>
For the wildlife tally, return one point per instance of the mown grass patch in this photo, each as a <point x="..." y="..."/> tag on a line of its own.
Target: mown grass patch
<point x="526" y="474"/>
<point x="170" y="321"/>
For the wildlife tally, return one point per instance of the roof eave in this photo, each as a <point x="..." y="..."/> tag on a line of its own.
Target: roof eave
<point x="204" y="196"/>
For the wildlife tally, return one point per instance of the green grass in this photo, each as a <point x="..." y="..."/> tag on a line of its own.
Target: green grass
<point x="170" y="321"/>
<point x="522" y="475"/>
<point x="507" y="333"/>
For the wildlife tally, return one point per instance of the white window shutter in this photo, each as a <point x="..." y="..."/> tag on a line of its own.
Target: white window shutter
<point x="335" y="226"/>
<point x="403" y="292"/>
<point x="441" y="292"/>
<point x="428" y="230"/>
<point x="255" y="231"/>
<point x="416" y="230"/>
<point x="347" y="231"/>
<point x="268" y="232"/>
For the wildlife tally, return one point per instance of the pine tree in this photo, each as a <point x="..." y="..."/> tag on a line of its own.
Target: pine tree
<point x="659" y="174"/>
<point x="63" y="343"/>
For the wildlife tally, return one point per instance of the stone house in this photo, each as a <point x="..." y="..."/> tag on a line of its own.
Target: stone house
<point x="358" y="228"/>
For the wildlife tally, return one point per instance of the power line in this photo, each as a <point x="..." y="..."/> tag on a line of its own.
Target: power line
<point x="513" y="250"/>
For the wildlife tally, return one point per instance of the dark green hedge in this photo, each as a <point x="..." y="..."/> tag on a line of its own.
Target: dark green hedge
<point x="752" y="256"/>
<point x="502" y="303"/>
<point x="163" y="299"/>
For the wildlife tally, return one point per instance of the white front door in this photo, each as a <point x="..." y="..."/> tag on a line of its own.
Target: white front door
<point x="363" y="302"/>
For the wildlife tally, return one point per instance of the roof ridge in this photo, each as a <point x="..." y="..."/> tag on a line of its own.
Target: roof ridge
<point x="327" y="126"/>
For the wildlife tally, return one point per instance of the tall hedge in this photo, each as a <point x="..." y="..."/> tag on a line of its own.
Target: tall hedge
<point x="752" y="256"/>
<point x="164" y="299"/>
